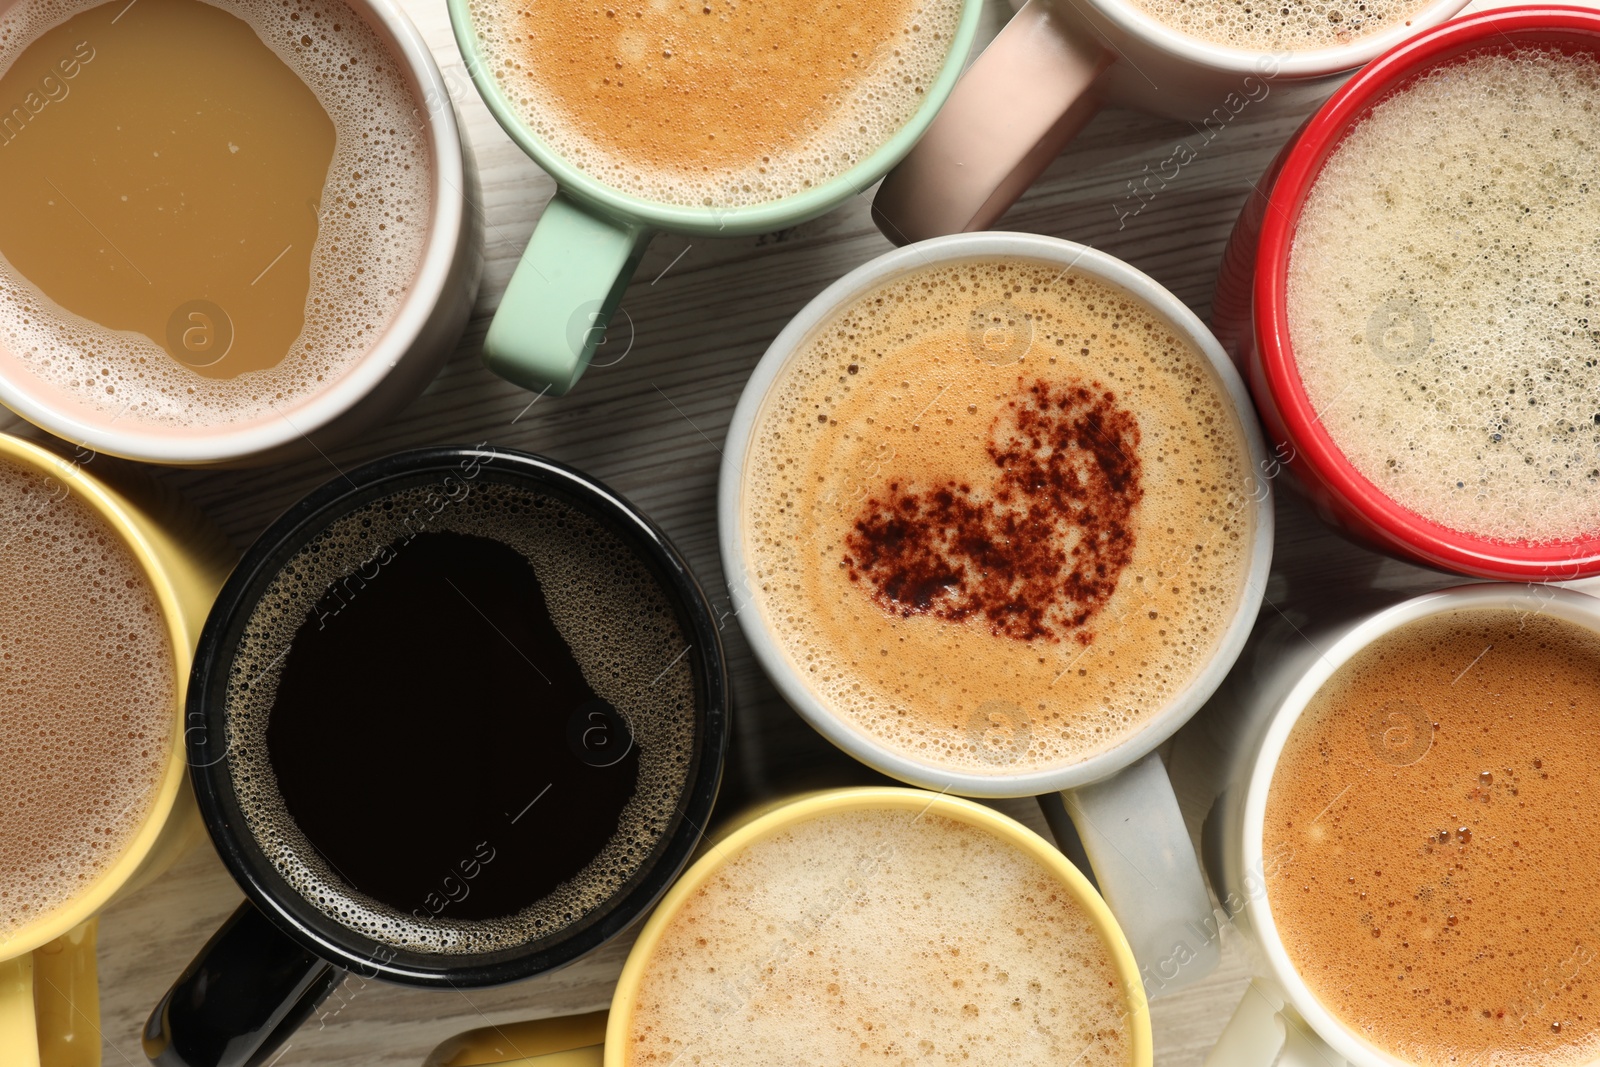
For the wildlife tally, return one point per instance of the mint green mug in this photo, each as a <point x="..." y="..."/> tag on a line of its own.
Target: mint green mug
<point x="591" y="236"/>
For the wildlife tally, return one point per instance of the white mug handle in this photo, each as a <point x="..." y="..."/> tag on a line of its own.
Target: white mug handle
<point x="1260" y="1035"/>
<point x="1145" y="865"/>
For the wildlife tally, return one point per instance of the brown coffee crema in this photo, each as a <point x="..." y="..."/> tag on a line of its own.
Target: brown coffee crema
<point x="715" y="103"/>
<point x="997" y="514"/>
<point x="881" y="936"/>
<point x="88" y="696"/>
<point x="1438" y="878"/>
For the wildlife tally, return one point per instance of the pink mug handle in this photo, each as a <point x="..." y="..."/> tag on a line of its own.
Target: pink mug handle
<point x="1012" y="112"/>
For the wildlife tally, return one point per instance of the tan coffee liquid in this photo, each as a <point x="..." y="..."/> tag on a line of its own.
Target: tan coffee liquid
<point x="1292" y="26"/>
<point x="87" y="697"/>
<point x="997" y="514"/>
<point x="100" y="226"/>
<point x="715" y="103"/>
<point x="1440" y="294"/>
<point x="214" y="208"/>
<point x="1434" y="811"/>
<point x="881" y="937"/>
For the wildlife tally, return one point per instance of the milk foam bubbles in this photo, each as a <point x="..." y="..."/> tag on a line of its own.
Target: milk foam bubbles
<point x="1437" y="881"/>
<point x="997" y="514"/>
<point x="1440" y="293"/>
<point x="715" y="103"/>
<point x="87" y="697"/>
<point x="1295" y="26"/>
<point x="372" y="220"/>
<point x="880" y="936"/>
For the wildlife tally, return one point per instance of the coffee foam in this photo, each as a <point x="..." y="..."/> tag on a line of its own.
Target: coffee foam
<point x="89" y="692"/>
<point x="374" y="218"/>
<point x="880" y="936"/>
<point x="1296" y="26"/>
<point x="1463" y="210"/>
<point x="715" y="103"/>
<point x="1442" y="898"/>
<point x="622" y="631"/>
<point x="908" y="384"/>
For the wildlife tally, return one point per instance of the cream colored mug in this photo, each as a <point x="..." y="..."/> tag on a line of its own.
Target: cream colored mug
<point x="602" y="1039"/>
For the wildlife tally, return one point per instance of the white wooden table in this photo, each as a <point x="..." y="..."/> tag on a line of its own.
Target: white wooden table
<point x="651" y="424"/>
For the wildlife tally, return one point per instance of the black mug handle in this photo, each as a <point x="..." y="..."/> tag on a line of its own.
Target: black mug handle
<point x="240" y="999"/>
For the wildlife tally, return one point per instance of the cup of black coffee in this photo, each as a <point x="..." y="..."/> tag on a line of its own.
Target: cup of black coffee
<point x="457" y="718"/>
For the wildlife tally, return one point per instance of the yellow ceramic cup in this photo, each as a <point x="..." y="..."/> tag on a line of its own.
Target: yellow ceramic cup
<point x="596" y="1040"/>
<point x="49" y="999"/>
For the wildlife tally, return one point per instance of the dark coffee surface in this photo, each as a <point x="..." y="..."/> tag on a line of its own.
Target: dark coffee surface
<point x="420" y="736"/>
<point x="461" y="717"/>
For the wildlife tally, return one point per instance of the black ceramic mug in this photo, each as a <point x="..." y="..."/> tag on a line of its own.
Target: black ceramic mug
<point x="457" y="718"/>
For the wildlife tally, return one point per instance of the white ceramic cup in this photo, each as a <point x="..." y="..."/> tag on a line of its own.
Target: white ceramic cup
<point x="1056" y="64"/>
<point x="1280" y="1020"/>
<point x="395" y="368"/>
<point x="1120" y="800"/>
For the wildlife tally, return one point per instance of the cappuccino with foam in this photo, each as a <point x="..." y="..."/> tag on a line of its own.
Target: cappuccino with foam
<point x="880" y="936"/>
<point x="997" y="514"/>
<point x="715" y="103"/>
<point x="90" y="697"/>
<point x="1294" y="26"/>
<point x="1439" y="296"/>
<point x="1433" y="811"/>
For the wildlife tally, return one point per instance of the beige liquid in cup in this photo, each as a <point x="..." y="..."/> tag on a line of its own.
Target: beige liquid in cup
<point x="1440" y="294"/>
<point x="715" y="103"/>
<point x="881" y="936"/>
<point x="213" y="209"/>
<point x="1294" y="26"/>
<point x="1437" y="881"/>
<point x="997" y="514"/>
<point x="87" y="697"/>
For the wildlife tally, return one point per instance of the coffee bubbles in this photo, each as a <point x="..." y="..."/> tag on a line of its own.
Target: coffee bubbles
<point x="513" y="647"/>
<point x="89" y="696"/>
<point x="1440" y="293"/>
<point x="204" y="234"/>
<point x="881" y="936"/>
<point x="716" y="104"/>
<point x="998" y="513"/>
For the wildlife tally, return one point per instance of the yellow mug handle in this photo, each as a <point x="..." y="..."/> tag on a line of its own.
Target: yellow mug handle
<point x="50" y="1004"/>
<point x="571" y="1041"/>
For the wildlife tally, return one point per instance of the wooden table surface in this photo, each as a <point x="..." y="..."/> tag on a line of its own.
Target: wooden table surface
<point x="649" y="419"/>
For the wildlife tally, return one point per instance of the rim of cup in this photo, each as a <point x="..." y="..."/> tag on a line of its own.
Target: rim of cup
<point x="857" y="798"/>
<point x="775" y="660"/>
<point x="1499" y="29"/>
<point x="1568" y="605"/>
<point x="1288" y="63"/>
<point x="208" y="744"/>
<point x="447" y="219"/>
<point x="715" y="221"/>
<point x="114" y="513"/>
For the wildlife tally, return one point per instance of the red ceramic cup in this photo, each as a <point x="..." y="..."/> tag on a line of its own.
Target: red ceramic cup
<point x="1249" y="314"/>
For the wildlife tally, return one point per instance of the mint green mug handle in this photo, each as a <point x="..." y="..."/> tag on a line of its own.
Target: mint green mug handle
<point x="554" y="313"/>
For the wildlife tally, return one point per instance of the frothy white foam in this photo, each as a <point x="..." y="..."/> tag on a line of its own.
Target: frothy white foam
<point x="881" y="936"/>
<point x="1292" y="26"/>
<point x="1440" y="296"/>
